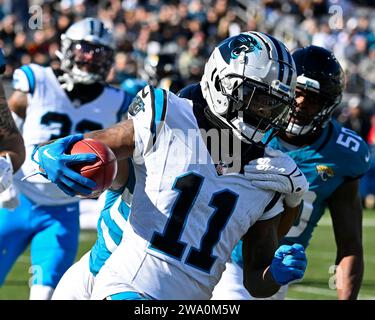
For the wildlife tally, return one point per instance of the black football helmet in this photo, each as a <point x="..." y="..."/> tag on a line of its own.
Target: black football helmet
<point x="321" y="77"/>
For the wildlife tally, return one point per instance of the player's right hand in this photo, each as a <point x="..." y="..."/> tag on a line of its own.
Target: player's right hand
<point x="277" y="171"/>
<point x="55" y="163"/>
<point x="289" y="263"/>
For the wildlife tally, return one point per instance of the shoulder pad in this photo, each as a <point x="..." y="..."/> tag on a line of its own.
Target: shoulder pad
<point x="23" y="80"/>
<point x="148" y="111"/>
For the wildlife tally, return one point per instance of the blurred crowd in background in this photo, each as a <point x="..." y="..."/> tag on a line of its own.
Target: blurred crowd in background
<point x="166" y="43"/>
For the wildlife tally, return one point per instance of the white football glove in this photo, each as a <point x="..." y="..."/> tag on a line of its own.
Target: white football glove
<point x="277" y="171"/>
<point x="6" y="173"/>
<point x="9" y="198"/>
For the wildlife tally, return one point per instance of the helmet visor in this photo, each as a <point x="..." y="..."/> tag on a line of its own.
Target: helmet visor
<point x="91" y="57"/>
<point x="262" y="109"/>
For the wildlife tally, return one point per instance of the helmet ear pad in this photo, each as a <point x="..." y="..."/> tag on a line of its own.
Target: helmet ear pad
<point x="212" y="91"/>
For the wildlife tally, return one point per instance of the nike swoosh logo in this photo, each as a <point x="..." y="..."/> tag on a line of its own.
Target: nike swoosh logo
<point x="45" y="152"/>
<point x="367" y="158"/>
<point x="144" y="93"/>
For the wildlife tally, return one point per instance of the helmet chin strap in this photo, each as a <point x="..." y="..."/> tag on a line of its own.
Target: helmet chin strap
<point x="217" y="122"/>
<point x="67" y="80"/>
<point x="83" y="77"/>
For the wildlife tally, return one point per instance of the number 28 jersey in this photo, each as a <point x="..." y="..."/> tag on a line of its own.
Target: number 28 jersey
<point x="338" y="155"/>
<point x="50" y="114"/>
<point x="185" y="218"/>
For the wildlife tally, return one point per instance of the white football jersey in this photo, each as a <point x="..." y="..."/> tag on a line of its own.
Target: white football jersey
<point x="185" y="218"/>
<point x="50" y="114"/>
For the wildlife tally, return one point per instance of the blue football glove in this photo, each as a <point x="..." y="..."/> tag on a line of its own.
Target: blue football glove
<point x="288" y="264"/>
<point x="55" y="164"/>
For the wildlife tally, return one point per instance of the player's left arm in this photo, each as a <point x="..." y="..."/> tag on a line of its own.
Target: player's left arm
<point x="258" y="247"/>
<point x="346" y="210"/>
<point x="267" y="266"/>
<point x="287" y="219"/>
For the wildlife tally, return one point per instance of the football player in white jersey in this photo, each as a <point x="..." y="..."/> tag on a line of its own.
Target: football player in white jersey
<point x="12" y="148"/>
<point x="54" y="104"/>
<point x="333" y="167"/>
<point x="193" y="199"/>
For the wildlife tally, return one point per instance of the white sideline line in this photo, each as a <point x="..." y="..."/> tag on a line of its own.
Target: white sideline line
<point x="326" y="221"/>
<point x="326" y="292"/>
<point x="331" y="255"/>
<point x="314" y="290"/>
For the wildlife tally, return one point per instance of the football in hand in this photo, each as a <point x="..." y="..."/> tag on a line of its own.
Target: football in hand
<point x="102" y="171"/>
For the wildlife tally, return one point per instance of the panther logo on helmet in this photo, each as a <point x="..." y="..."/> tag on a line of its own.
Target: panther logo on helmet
<point x="242" y="43"/>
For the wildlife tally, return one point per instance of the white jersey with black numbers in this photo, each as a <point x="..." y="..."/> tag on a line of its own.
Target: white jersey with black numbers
<point x="185" y="218"/>
<point x="50" y="114"/>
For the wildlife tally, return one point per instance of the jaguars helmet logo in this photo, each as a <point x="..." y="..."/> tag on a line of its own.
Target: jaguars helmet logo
<point x="324" y="172"/>
<point x="232" y="47"/>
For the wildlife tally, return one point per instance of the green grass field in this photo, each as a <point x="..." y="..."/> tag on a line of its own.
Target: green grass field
<point x="321" y="255"/>
<point x="315" y="286"/>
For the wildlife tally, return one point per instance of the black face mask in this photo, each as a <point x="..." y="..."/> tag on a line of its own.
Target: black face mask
<point x="259" y="106"/>
<point x="92" y="58"/>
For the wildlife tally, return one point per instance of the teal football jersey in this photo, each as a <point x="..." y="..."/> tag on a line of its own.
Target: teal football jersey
<point x="111" y="222"/>
<point x="338" y="155"/>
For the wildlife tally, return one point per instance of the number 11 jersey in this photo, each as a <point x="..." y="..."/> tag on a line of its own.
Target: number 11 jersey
<point x="185" y="217"/>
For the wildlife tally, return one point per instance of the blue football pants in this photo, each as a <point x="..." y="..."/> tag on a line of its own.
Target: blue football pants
<point x="51" y="231"/>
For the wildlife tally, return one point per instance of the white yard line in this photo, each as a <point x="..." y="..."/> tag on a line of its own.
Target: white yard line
<point x="330" y="255"/>
<point x="325" y="292"/>
<point x="326" y="221"/>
